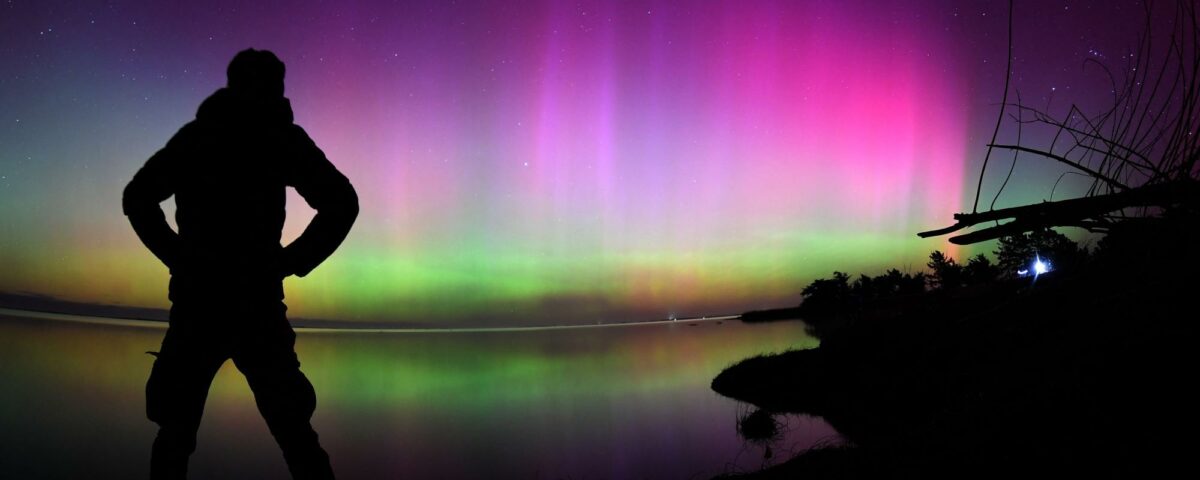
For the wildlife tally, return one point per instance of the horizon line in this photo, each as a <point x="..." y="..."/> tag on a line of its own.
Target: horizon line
<point x="144" y="323"/>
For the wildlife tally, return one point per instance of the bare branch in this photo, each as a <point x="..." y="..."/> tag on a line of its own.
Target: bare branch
<point x="1067" y="161"/>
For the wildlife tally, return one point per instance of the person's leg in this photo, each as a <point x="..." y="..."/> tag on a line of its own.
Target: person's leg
<point x="175" y="396"/>
<point x="285" y="397"/>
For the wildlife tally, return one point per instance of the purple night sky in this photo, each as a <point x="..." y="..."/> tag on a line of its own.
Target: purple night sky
<point x="525" y="163"/>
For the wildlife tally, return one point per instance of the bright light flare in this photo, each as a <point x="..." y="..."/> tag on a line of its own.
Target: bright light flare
<point x="1038" y="267"/>
<point x="1041" y="267"/>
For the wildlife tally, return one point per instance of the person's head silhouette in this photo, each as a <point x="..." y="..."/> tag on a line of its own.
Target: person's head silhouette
<point x="256" y="73"/>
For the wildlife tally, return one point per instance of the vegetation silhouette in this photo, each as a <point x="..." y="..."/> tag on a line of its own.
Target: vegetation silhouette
<point x="1078" y="373"/>
<point x="835" y="303"/>
<point x="1015" y="251"/>
<point x="1081" y="371"/>
<point x="228" y="170"/>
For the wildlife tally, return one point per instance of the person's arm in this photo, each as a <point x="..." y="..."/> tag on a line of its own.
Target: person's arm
<point x="329" y="193"/>
<point x="152" y="184"/>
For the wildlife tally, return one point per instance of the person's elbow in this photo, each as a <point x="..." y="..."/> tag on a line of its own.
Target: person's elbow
<point x="338" y="205"/>
<point x="132" y="199"/>
<point x="350" y="204"/>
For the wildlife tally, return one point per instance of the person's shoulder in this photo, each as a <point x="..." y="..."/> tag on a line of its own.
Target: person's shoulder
<point x="295" y="132"/>
<point x="188" y="133"/>
<point x="297" y="137"/>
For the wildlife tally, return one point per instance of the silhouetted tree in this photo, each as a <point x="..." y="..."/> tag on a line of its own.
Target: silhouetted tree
<point x="913" y="284"/>
<point x="866" y="288"/>
<point x="979" y="270"/>
<point x="838" y="295"/>
<point x="893" y="282"/>
<point x="826" y="295"/>
<point x="1017" y="251"/>
<point x="946" y="274"/>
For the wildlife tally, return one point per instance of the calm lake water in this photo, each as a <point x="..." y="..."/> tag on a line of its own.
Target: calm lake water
<point x="581" y="403"/>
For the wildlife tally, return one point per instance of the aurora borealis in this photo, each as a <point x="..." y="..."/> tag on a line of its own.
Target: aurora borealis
<point x="525" y="163"/>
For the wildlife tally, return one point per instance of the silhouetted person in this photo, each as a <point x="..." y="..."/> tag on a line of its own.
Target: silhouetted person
<point x="228" y="170"/>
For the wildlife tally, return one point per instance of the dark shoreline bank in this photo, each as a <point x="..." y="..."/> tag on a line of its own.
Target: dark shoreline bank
<point x="1084" y="373"/>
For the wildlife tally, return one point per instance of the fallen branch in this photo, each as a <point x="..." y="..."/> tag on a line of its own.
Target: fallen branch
<point x="1067" y="161"/>
<point x="1085" y="211"/>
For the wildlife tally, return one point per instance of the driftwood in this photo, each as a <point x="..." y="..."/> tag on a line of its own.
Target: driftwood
<point x="1088" y="212"/>
<point x="1143" y="154"/>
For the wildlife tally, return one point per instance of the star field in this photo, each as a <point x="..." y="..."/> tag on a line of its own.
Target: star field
<point x="547" y="162"/>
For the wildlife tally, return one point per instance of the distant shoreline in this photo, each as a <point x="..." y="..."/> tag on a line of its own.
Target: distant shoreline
<point x="161" y="324"/>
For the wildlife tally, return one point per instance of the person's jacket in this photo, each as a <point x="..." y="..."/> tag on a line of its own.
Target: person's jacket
<point x="228" y="170"/>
